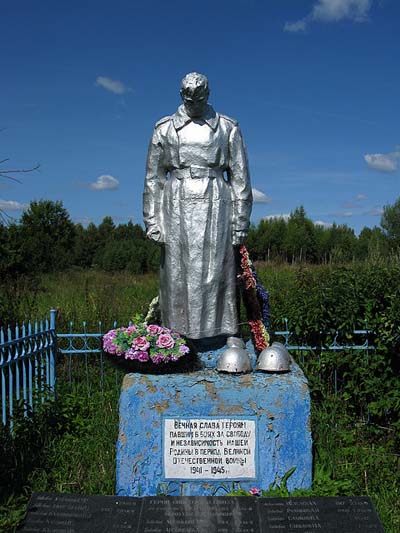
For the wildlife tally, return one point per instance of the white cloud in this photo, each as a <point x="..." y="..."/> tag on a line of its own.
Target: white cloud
<point x="105" y="183"/>
<point x="382" y="162"/>
<point x="12" y="205"/>
<point x="260" y="198"/>
<point x="332" y="11"/>
<point x="83" y="220"/>
<point x="323" y="224"/>
<point x="114" y="86"/>
<point x="294" y="27"/>
<point x="374" y="212"/>
<point x="335" y="10"/>
<point x="284" y="216"/>
<point x="346" y="214"/>
<point x="355" y="203"/>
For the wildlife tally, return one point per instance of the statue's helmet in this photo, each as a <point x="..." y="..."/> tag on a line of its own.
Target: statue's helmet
<point x="193" y="83"/>
<point x="234" y="360"/>
<point x="194" y="93"/>
<point x="275" y="358"/>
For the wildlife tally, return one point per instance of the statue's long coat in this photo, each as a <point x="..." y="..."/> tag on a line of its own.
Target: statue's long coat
<point x="197" y="192"/>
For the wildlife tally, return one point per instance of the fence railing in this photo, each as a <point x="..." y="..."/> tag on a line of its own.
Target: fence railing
<point x="27" y="365"/>
<point x="28" y="359"/>
<point x="332" y="347"/>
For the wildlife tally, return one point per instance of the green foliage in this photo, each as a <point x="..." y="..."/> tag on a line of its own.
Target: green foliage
<point x="22" y="449"/>
<point x="299" y="243"/>
<point x="64" y="446"/>
<point x="134" y="256"/>
<point x="46" y="240"/>
<point x="372" y="243"/>
<point x="390" y="223"/>
<point x="18" y="297"/>
<point x="82" y="459"/>
<point x="48" y="236"/>
<point x="324" y="303"/>
<point x="12" y="511"/>
<point x="298" y="239"/>
<point x="94" y="296"/>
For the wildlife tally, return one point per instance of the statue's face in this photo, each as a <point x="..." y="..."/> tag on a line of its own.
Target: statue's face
<point x="195" y="101"/>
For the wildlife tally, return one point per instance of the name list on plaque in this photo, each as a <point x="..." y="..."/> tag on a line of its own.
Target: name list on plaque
<point x="210" y="448"/>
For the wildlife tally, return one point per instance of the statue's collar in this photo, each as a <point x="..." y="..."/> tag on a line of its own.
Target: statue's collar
<point x="181" y="118"/>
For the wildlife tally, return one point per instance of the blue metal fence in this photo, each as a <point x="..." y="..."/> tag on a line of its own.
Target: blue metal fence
<point x="333" y="346"/>
<point x="28" y="358"/>
<point x="87" y="346"/>
<point x="27" y="365"/>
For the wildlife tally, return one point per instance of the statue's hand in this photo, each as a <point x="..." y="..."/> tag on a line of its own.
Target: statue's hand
<point x="154" y="234"/>
<point x="238" y="237"/>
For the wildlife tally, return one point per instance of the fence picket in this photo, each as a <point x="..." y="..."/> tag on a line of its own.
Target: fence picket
<point x="18" y="347"/>
<point x="3" y="378"/>
<point x="10" y="377"/>
<point x="24" y="363"/>
<point x="30" y="367"/>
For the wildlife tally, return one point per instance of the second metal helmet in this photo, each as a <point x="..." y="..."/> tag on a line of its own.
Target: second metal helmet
<point x="275" y="358"/>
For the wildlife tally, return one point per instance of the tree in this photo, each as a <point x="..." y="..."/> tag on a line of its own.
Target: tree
<point x="48" y="236"/>
<point x="130" y="231"/>
<point x="322" y="237"/>
<point x="390" y="223"/>
<point x="372" y="243"/>
<point x="300" y="243"/>
<point x="106" y="230"/>
<point x="87" y="244"/>
<point x="342" y="243"/>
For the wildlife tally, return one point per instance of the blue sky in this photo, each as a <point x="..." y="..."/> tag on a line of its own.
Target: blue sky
<point x="314" y="85"/>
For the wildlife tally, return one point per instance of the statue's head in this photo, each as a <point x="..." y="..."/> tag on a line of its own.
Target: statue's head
<point x="194" y="93"/>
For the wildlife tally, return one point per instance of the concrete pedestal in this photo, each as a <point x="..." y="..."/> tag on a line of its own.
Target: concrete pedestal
<point x="213" y="429"/>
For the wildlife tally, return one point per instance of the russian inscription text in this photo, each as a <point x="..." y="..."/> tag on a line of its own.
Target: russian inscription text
<point x="210" y="448"/>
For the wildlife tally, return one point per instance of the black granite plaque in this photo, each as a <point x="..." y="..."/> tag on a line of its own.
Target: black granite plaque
<point x="71" y="513"/>
<point x="308" y="515"/>
<point x="199" y="514"/>
<point x="67" y="513"/>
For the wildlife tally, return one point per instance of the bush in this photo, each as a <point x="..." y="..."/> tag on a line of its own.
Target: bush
<point x="323" y="303"/>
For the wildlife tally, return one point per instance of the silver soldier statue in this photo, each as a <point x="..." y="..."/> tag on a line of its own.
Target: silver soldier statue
<point x="197" y="204"/>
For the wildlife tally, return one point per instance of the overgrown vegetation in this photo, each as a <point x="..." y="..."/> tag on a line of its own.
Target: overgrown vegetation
<point x="46" y="240"/>
<point x="69" y="446"/>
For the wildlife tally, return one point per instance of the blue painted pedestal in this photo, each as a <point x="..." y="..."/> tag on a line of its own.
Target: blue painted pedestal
<point x="278" y="403"/>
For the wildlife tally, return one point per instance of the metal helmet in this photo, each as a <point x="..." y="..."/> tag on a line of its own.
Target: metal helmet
<point x="235" y="342"/>
<point x="234" y="360"/>
<point x="275" y="358"/>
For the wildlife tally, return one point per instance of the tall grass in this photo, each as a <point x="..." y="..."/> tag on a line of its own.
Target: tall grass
<point x="93" y="296"/>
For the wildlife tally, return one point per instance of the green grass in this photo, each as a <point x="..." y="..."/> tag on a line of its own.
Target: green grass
<point x="94" y="296"/>
<point x="71" y="450"/>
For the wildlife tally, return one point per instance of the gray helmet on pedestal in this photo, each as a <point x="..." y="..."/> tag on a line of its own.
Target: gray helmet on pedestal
<point x="275" y="358"/>
<point x="235" y="342"/>
<point x="234" y="360"/>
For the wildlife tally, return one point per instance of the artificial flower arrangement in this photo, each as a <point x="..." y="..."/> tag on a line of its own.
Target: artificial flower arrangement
<point x="145" y="343"/>
<point x="256" y="301"/>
